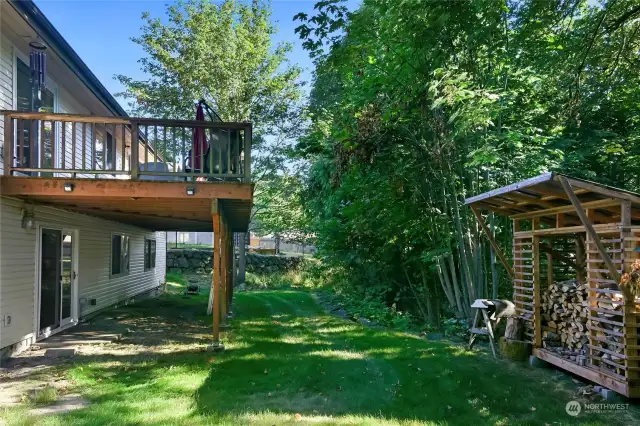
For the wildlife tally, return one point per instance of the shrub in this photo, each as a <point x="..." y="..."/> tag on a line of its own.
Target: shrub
<point x="454" y="327"/>
<point x="309" y="275"/>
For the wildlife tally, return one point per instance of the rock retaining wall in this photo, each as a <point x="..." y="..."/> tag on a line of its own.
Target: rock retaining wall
<point x="199" y="261"/>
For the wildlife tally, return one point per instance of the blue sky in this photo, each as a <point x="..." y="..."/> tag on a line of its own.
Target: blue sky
<point x="100" y="32"/>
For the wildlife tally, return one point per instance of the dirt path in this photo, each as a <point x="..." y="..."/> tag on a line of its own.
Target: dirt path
<point x="137" y="331"/>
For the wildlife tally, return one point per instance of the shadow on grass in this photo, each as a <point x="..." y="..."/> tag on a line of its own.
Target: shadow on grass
<point x="285" y="356"/>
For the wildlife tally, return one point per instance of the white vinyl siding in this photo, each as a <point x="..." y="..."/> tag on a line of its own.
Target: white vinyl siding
<point x="161" y="256"/>
<point x="18" y="246"/>
<point x="6" y="88"/>
<point x="18" y="261"/>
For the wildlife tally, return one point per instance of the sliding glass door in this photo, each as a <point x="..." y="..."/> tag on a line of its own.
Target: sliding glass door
<point x="57" y="279"/>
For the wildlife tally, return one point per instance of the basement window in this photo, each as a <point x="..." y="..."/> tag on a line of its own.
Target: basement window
<point x="149" y="254"/>
<point x="119" y="255"/>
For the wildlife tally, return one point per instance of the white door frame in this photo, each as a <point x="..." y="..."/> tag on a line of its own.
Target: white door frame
<point x="38" y="332"/>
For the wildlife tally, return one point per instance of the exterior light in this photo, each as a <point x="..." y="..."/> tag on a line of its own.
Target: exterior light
<point x="68" y="187"/>
<point x="191" y="190"/>
<point x="28" y="219"/>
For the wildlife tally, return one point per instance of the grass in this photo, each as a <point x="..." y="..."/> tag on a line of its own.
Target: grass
<point x="294" y="279"/>
<point x="45" y="396"/>
<point x="288" y="362"/>
<point x="176" y="278"/>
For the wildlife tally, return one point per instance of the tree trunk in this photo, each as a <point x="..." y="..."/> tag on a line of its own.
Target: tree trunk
<point x="494" y="270"/>
<point x="463" y="253"/>
<point x="444" y="281"/>
<point x="234" y="265"/>
<point x="242" y="257"/>
<point x="415" y="295"/>
<point x="461" y="302"/>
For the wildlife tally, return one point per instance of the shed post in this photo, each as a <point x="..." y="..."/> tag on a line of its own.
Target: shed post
<point x="537" y="298"/>
<point x="630" y="317"/>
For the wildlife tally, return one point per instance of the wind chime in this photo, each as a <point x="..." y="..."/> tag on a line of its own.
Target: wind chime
<point x="38" y="68"/>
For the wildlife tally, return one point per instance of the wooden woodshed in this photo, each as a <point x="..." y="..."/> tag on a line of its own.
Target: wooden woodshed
<point x="576" y="273"/>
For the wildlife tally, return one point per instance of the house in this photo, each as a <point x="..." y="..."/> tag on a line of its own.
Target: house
<point x="86" y="197"/>
<point x="196" y="238"/>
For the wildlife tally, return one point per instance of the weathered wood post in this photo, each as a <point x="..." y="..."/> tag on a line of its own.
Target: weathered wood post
<point x="215" y="213"/>
<point x="242" y="257"/>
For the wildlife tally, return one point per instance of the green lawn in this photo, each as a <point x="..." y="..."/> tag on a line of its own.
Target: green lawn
<point x="287" y="362"/>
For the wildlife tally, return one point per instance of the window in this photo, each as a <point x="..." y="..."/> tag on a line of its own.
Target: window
<point x="149" y="254"/>
<point x="105" y="148"/>
<point x="119" y="255"/>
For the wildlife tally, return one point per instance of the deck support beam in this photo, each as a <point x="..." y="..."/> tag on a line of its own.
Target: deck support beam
<point x="493" y="242"/>
<point x="215" y="280"/>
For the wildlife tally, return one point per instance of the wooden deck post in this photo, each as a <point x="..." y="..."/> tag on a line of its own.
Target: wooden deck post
<point x="223" y="271"/>
<point x="134" y="150"/>
<point x="8" y="144"/>
<point x="215" y="212"/>
<point x="248" y="135"/>
<point x="234" y="267"/>
<point x="229" y="269"/>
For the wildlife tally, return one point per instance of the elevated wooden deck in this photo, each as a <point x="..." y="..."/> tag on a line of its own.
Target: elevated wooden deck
<point x="155" y="205"/>
<point x="158" y="174"/>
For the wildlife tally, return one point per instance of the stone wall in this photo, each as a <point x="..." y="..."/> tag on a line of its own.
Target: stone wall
<point x="199" y="261"/>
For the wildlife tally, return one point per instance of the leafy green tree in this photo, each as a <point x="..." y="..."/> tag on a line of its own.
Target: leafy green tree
<point x="223" y="53"/>
<point x="417" y="105"/>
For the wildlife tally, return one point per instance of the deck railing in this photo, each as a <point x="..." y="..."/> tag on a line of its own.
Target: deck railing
<point x="67" y="145"/>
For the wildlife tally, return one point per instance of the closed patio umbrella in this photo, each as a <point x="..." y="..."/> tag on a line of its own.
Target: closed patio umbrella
<point x="200" y="144"/>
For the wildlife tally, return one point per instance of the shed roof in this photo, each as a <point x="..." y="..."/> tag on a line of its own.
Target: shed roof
<point x="545" y="192"/>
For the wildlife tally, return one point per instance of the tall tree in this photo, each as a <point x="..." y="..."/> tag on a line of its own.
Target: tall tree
<point x="417" y="105"/>
<point x="223" y="53"/>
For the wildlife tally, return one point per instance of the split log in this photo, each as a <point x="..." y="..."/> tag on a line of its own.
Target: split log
<point x="514" y="329"/>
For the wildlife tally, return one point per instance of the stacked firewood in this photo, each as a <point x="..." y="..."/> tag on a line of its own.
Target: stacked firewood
<point x="564" y="318"/>
<point x="565" y="308"/>
<point x="609" y="340"/>
<point x="631" y="280"/>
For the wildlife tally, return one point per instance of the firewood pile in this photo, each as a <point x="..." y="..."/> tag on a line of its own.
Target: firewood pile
<point x="610" y="343"/>
<point x="631" y="280"/>
<point x="565" y="312"/>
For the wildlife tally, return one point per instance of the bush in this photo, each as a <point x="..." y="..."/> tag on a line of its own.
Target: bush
<point x="308" y="276"/>
<point x="454" y="327"/>
<point x="373" y="310"/>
